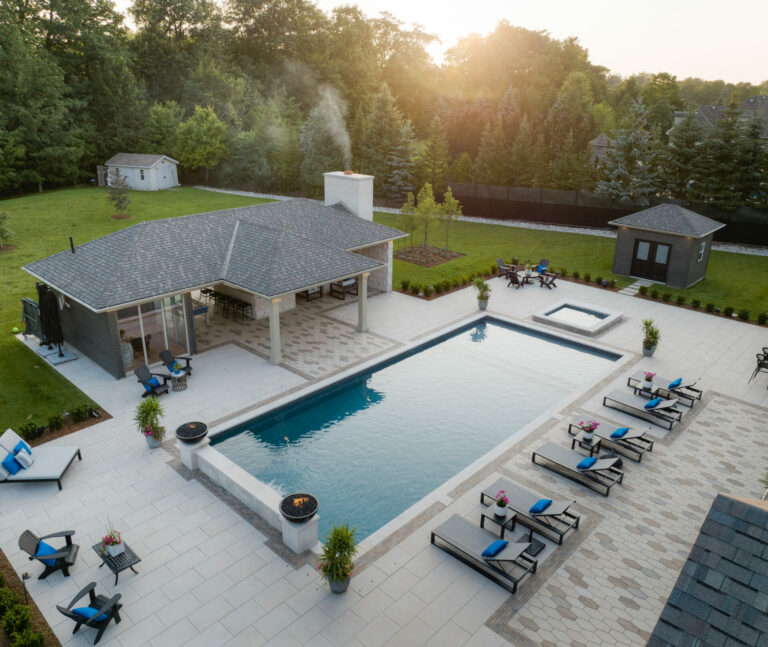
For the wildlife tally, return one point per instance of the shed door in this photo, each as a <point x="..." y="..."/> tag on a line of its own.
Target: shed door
<point x="650" y="260"/>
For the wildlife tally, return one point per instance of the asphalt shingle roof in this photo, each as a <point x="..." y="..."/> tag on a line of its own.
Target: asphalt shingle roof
<point x="135" y="159"/>
<point x="671" y="218"/>
<point x="720" y="597"/>
<point x="269" y="249"/>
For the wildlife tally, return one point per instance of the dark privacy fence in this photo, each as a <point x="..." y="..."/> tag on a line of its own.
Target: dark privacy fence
<point x="582" y="209"/>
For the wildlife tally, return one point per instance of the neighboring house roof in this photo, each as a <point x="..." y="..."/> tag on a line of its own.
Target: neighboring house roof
<point x="602" y="140"/>
<point x="670" y="218"/>
<point x="137" y="160"/>
<point x="269" y="249"/>
<point x="600" y="146"/>
<point x="752" y="108"/>
<point x="720" y="597"/>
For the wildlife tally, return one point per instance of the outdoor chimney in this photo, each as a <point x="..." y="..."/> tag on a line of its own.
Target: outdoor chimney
<point x="353" y="190"/>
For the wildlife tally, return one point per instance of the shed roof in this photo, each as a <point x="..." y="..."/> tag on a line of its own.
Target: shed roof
<point x="672" y="219"/>
<point x="719" y="597"/>
<point x="137" y="160"/>
<point x="268" y="249"/>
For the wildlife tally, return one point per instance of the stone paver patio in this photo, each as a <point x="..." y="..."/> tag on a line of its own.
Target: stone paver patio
<point x="208" y="576"/>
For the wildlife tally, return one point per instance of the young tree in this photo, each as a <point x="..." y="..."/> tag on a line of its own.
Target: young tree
<point x="492" y="162"/>
<point x="201" y="141"/>
<point x="160" y="128"/>
<point x="118" y="191"/>
<point x="630" y="166"/>
<point x="682" y="157"/>
<point x="6" y="235"/>
<point x="427" y="209"/>
<point x="406" y="220"/>
<point x="432" y="163"/>
<point x="450" y="210"/>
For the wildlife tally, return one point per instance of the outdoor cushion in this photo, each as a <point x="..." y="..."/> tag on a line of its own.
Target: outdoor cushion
<point x="346" y="282"/>
<point x="21" y="445"/>
<point x="152" y="381"/>
<point x="9" y="440"/>
<point x="495" y="548"/>
<point x="540" y="506"/>
<point x="542" y="268"/>
<point x="44" y="549"/>
<point x="586" y="463"/>
<point x="88" y="613"/>
<point x="11" y="464"/>
<point x="652" y="403"/>
<point x="50" y="464"/>
<point x="675" y="383"/>
<point x="620" y="432"/>
<point x="24" y="459"/>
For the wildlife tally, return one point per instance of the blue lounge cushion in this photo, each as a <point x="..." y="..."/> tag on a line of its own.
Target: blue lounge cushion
<point x="540" y="506"/>
<point x="620" y="432"/>
<point x="22" y="445"/>
<point x="495" y="548"/>
<point x="652" y="403"/>
<point x="542" y="268"/>
<point x="11" y="464"/>
<point x="675" y="383"/>
<point x="44" y="549"/>
<point x="586" y="463"/>
<point x="88" y="613"/>
<point x="152" y="381"/>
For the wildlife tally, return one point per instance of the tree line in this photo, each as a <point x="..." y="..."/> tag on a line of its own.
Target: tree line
<point x="268" y="94"/>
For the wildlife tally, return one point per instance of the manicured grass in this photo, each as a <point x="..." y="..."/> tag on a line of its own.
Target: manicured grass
<point x="736" y="280"/>
<point x="29" y="388"/>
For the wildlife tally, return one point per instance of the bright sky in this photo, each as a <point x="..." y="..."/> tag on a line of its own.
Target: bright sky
<point x="723" y="40"/>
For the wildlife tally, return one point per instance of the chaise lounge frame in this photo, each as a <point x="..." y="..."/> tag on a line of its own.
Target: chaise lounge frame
<point x="632" y="445"/>
<point x="686" y="394"/>
<point x="600" y="478"/>
<point x="664" y="414"/>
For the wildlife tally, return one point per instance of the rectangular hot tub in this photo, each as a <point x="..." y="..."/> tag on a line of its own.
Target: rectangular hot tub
<point x="578" y="317"/>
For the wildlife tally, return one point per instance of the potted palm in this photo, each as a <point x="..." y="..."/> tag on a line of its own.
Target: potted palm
<point x="483" y="292"/>
<point x="336" y="563"/>
<point x="147" y="419"/>
<point x="651" y="337"/>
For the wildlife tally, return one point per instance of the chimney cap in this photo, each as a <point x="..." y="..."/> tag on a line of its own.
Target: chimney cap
<point x="348" y="174"/>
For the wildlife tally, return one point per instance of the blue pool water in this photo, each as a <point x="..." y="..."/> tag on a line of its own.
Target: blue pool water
<point x="373" y="445"/>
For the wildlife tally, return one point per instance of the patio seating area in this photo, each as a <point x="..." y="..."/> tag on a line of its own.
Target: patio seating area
<point x="212" y="574"/>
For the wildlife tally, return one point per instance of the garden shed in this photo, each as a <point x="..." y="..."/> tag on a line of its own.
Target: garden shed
<point x="144" y="172"/>
<point x="666" y="243"/>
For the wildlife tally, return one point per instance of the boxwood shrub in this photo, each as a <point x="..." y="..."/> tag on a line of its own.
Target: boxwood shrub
<point x="762" y="318"/>
<point x="643" y="289"/>
<point x="744" y="314"/>
<point x="710" y="307"/>
<point x="680" y="299"/>
<point x="696" y="303"/>
<point x="728" y="311"/>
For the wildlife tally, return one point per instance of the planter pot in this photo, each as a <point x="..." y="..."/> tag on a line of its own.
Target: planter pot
<point x="117" y="549"/>
<point x="588" y="435"/>
<point x="648" y="385"/>
<point x="338" y="587"/>
<point x="649" y="351"/>
<point x="500" y="511"/>
<point x="153" y="444"/>
<point x="482" y="303"/>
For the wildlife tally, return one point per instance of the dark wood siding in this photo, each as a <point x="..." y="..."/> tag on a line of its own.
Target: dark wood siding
<point x="682" y="254"/>
<point x="696" y="269"/>
<point x="93" y="334"/>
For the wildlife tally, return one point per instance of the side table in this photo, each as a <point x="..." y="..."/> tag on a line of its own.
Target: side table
<point x="592" y="446"/>
<point x="179" y="381"/>
<point x="505" y="523"/>
<point x="121" y="562"/>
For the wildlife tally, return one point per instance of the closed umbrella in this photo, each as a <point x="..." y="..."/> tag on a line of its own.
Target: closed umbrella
<point x="49" y="316"/>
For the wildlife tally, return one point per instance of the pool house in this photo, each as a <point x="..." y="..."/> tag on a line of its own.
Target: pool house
<point x="127" y="296"/>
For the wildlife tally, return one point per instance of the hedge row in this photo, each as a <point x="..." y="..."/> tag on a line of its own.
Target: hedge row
<point x="30" y="430"/>
<point x="15" y="619"/>
<point x="744" y="314"/>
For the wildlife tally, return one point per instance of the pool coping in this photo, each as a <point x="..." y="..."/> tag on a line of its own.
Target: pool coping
<point x="264" y="500"/>
<point x="614" y="317"/>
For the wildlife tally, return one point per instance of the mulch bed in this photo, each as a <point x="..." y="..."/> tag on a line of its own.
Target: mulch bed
<point x="7" y="248"/>
<point x="13" y="582"/>
<point x="69" y="428"/>
<point x="121" y="216"/>
<point x="426" y="257"/>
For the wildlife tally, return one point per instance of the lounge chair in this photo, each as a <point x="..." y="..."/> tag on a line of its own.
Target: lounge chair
<point x="514" y="279"/>
<point x="685" y="392"/>
<point x="340" y="288"/>
<point x="600" y="476"/>
<point x="466" y="542"/>
<point x="503" y="269"/>
<point x="149" y="381"/>
<point x="167" y="358"/>
<point x="543" y="266"/>
<point x="48" y="463"/>
<point x="762" y="364"/>
<point x="663" y="414"/>
<point x="632" y="444"/>
<point x="53" y="559"/>
<point x="547" y="280"/>
<point x="97" y="614"/>
<point x="553" y="523"/>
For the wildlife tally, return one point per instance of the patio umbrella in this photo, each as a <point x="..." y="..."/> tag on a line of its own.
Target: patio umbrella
<point x="49" y="316"/>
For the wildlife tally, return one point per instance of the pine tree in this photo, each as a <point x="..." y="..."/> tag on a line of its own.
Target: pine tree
<point x="681" y="158"/>
<point x="433" y="162"/>
<point x="461" y="169"/>
<point x="525" y="159"/>
<point x="401" y="179"/>
<point x="492" y="162"/>
<point x="630" y="166"/>
<point x="753" y="166"/>
<point x="569" y="169"/>
<point x="118" y="191"/>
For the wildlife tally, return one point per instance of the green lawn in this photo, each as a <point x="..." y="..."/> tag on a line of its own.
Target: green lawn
<point x="29" y="388"/>
<point x="736" y="280"/>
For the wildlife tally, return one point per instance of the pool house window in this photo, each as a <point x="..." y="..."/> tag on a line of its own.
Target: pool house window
<point x="702" y="249"/>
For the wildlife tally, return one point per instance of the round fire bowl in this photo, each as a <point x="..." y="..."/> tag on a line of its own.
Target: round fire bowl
<point x="298" y="507"/>
<point x="192" y="432"/>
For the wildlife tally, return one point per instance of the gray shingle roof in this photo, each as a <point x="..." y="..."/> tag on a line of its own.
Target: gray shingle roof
<point x="671" y="218"/>
<point x="269" y="249"/>
<point x="136" y="159"/>
<point x="721" y="596"/>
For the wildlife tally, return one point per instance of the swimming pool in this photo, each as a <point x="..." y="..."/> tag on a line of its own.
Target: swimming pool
<point x="374" y="444"/>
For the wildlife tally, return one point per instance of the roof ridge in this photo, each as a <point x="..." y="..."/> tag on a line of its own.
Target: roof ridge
<point x="227" y="258"/>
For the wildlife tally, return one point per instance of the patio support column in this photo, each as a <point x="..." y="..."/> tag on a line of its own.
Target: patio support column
<point x="362" y="303"/>
<point x="275" y="354"/>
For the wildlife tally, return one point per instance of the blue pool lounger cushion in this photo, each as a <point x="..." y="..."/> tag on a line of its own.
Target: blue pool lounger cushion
<point x="44" y="549"/>
<point x="620" y="432"/>
<point x="675" y="383"/>
<point x="495" y="548"/>
<point x="540" y="506"/>
<point x="21" y="445"/>
<point x="652" y="403"/>
<point x="11" y="464"/>
<point x="586" y="463"/>
<point x="88" y="613"/>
